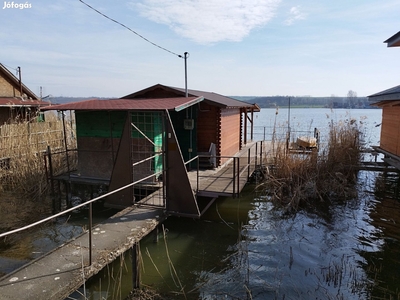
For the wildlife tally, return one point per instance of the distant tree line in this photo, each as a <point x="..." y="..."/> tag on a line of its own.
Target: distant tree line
<point x="350" y="101"/>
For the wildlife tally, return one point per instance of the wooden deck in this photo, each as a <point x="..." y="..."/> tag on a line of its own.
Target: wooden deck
<point x="229" y="179"/>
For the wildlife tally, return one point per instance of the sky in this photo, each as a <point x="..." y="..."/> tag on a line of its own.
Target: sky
<point x="235" y="47"/>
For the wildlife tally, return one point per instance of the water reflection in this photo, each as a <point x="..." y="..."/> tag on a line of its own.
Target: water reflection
<point x="18" y="249"/>
<point x="246" y="248"/>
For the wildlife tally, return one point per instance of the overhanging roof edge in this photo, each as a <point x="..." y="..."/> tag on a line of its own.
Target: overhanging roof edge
<point x="195" y="101"/>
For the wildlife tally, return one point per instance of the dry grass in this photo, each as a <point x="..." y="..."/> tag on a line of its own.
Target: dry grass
<point x="22" y="156"/>
<point x="330" y="173"/>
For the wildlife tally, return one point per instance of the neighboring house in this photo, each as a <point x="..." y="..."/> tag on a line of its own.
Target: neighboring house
<point x="17" y="102"/>
<point x="389" y="101"/>
<point x="393" y="41"/>
<point x="218" y="120"/>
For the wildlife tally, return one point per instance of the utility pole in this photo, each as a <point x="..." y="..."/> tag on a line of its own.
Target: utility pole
<point x="186" y="87"/>
<point x="20" y="80"/>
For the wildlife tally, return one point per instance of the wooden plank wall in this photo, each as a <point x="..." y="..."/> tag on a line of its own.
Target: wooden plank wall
<point x="207" y="127"/>
<point x="230" y="132"/>
<point x="390" y="132"/>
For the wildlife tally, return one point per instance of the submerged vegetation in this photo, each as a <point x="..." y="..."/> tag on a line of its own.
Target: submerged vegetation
<point x="297" y="179"/>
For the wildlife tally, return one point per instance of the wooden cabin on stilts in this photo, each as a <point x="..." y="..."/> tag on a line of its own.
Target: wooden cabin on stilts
<point x="154" y="138"/>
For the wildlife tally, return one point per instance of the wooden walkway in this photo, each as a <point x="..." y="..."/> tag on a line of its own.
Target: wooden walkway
<point x="230" y="179"/>
<point x="62" y="271"/>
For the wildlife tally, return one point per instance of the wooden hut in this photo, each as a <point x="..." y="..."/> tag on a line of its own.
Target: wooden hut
<point x="217" y="121"/>
<point x="146" y="139"/>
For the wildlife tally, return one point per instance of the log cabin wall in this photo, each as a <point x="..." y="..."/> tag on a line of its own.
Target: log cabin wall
<point x="207" y="127"/>
<point x="230" y="132"/>
<point x="390" y="131"/>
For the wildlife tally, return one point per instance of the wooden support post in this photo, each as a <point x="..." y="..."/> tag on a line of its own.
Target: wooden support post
<point x="156" y="231"/>
<point x="135" y="251"/>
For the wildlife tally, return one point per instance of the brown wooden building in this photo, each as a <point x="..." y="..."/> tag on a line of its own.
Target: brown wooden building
<point x="146" y="139"/>
<point x="389" y="101"/>
<point x="17" y="102"/>
<point x="217" y="120"/>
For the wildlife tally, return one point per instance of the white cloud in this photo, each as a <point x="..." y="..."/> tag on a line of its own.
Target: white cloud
<point x="209" y="21"/>
<point x="294" y="15"/>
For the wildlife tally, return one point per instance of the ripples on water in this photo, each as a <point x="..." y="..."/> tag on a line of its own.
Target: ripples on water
<point x="340" y="250"/>
<point x="247" y="248"/>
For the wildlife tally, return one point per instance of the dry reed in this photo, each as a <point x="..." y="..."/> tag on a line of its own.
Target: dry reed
<point x="22" y="155"/>
<point x="297" y="179"/>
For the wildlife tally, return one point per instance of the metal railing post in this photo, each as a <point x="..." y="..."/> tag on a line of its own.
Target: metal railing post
<point x="238" y="176"/>
<point x="256" y="155"/>
<point x="197" y="181"/>
<point x="234" y="177"/>
<point x="90" y="232"/>
<point x="248" y="163"/>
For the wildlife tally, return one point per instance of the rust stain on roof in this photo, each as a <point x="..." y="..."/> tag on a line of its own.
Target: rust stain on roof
<point x="177" y="104"/>
<point x="17" y="101"/>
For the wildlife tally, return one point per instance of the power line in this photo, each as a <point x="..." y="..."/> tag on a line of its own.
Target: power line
<point x="15" y="69"/>
<point x="142" y="37"/>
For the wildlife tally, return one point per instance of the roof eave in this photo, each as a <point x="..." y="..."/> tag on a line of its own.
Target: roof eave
<point x="188" y="104"/>
<point x="393" y="41"/>
<point x="385" y="97"/>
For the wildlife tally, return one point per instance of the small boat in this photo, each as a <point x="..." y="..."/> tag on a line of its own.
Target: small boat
<point x="306" y="142"/>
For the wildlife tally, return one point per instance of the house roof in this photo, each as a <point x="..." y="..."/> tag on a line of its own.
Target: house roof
<point x="392" y="94"/>
<point x="18" y="101"/>
<point x="15" y="82"/>
<point x="393" y="41"/>
<point x="177" y="104"/>
<point x="214" y="98"/>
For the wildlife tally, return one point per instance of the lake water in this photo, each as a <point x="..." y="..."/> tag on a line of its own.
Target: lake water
<point x="246" y="248"/>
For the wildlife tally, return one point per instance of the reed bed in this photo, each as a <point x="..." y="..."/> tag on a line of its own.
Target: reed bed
<point x="331" y="172"/>
<point x="23" y="149"/>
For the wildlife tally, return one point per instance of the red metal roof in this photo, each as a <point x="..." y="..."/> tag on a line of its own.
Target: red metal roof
<point x="214" y="98"/>
<point x="177" y="104"/>
<point x="17" y="101"/>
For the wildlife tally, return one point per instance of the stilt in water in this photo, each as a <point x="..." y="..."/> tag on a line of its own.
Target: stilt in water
<point x="135" y="251"/>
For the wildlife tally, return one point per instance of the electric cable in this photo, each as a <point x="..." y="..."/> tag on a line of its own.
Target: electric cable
<point x="139" y="35"/>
